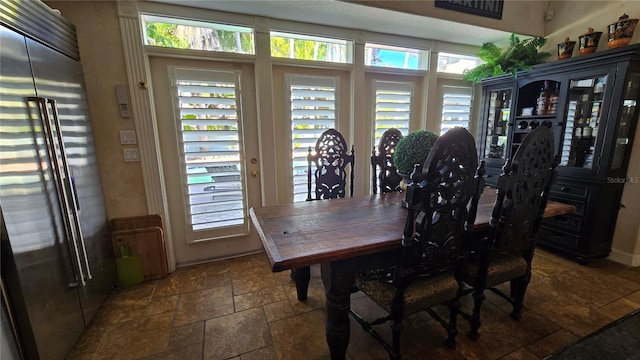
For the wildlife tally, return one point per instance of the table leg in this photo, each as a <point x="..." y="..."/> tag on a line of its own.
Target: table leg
<point x="338" y="278"/>
<point x="301" y="278"/>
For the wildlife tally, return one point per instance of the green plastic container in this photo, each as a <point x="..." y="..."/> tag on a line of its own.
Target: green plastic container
<point x="129" y="268"/>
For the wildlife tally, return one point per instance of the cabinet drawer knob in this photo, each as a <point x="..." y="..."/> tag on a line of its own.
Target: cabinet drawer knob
<point x="565" y="189"/>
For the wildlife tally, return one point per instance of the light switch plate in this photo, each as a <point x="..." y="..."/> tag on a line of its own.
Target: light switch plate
<point x="131" y="154"/>
<point x="128" y="137"/>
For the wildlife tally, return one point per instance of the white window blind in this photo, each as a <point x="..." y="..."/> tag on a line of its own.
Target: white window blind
<point x="456" y="107"/>
<point x="208" y="132"/>
<point x="313" y="110"/>
<point x="392" y="107"/>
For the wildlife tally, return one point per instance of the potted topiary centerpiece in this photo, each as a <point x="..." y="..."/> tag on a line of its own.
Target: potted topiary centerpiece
<point x="413" y="149"/>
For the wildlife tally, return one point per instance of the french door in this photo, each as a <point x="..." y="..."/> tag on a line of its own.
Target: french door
<point x="206" y="120"/>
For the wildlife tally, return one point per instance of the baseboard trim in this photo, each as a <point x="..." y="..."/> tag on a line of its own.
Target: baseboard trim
<point x="624" y="258"/>
<point x="232" y="256"/>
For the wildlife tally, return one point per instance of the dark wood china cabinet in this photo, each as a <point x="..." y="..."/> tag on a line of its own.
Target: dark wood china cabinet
<point x="591" y="104"/>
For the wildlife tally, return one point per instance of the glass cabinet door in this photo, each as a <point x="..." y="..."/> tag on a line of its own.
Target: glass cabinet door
<point x="628" y="114"/>
<point x="498" y="113"/>
<point x="582" y="125"/>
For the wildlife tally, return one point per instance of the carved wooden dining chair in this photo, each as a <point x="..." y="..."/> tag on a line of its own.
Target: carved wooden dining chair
<point x="423" y="273"/>
<point x="327" y="170"/>
<point x="330" y="159"/>
<point x="507" y="252"/>
<point x="388" y="177"/>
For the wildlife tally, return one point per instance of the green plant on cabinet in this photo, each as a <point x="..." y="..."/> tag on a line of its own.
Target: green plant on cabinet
<point x="518" y="55"/>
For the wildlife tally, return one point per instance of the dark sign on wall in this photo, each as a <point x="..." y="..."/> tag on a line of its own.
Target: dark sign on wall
<point x="486" y="8"/>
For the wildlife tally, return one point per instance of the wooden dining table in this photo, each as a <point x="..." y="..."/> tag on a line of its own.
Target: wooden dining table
<point x="336" y="233"/>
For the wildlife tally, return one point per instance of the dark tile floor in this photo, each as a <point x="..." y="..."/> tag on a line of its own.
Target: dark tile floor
<point x="238" y="309"/>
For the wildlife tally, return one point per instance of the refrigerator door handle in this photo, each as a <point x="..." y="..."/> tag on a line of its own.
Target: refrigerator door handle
<point x="59" y="180"/>
<point x="72" y="197"/>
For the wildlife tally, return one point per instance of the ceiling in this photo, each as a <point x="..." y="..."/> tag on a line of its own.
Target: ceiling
<point x="344" y="14"/>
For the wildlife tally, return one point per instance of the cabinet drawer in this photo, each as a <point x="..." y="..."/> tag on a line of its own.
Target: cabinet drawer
<point x="578" y="203"/>
<point x="558" y="238"/>
<point x="566" y="223"/>
<point x="566" y="189"/>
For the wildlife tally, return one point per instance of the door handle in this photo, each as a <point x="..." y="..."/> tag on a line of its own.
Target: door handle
<point x="254" y="173"/>
<point x="72" y="198"/>
<point x="59" y="178"/>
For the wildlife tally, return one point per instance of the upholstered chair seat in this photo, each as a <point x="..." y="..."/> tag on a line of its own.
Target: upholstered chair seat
<point x="499" y="271"/>
<point x="419" y="295"/>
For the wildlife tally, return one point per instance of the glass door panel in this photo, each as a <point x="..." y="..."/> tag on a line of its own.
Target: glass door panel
<point x="583" y="115"/>
<point x="498" y="114"/>
<point x="628" y="113"/>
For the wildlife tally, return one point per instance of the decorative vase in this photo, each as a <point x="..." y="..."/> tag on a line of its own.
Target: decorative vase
<point x="589" y="42"/>
<point x="565" y="49"/>
<point x="621" y="32"/>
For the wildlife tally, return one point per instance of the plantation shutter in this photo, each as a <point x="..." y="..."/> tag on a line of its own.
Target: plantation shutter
<point x="456" y="107"/>
<point x="208" y="132"/>
<point x="392" y="107"/>
<point x="313" y="110"/>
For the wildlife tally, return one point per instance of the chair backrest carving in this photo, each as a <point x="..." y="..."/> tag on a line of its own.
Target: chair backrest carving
<point x="331" y="160"/>
<point x="448" y="193"/>
<point x="523" y="189"/>
<point x="388" y="179"/>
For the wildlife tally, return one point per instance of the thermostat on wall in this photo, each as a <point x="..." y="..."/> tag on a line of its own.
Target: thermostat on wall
<point x="123" y="101"/>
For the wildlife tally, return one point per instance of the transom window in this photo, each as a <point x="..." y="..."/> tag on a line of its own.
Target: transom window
<point x="395" y="57"/>
<point x="197" y="35"/>
<point x="315" y="48"/>
<point x="455" y="63"/>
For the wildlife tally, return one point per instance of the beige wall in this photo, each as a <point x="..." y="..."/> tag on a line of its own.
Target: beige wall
<point x="102" y="59"/>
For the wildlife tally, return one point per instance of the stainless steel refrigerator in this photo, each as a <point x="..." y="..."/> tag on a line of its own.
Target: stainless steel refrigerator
<point x="57" y="261"/>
